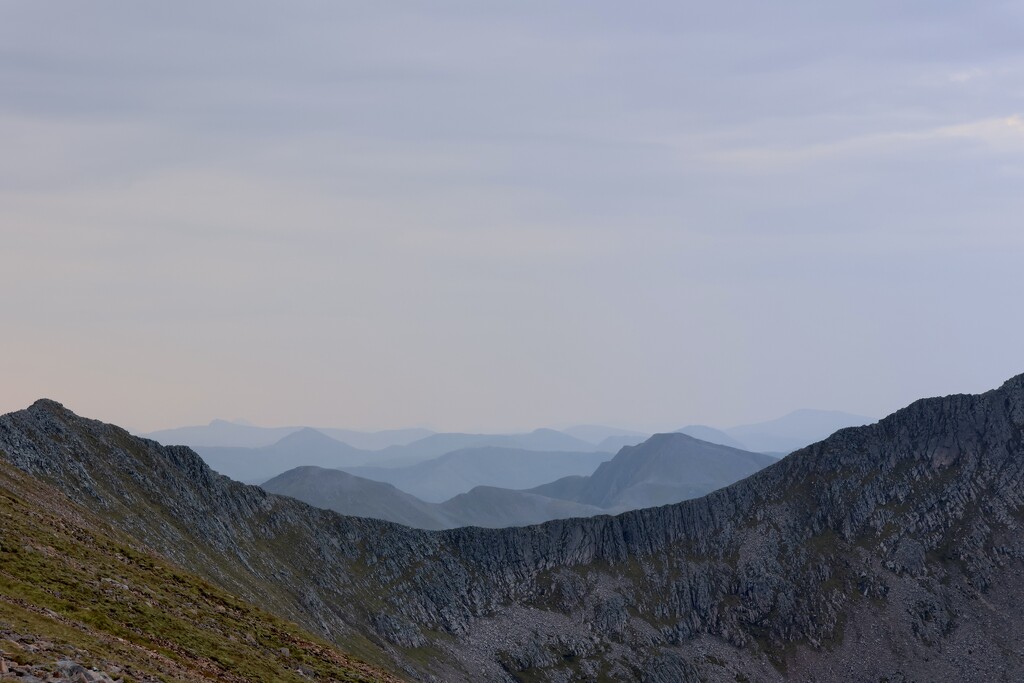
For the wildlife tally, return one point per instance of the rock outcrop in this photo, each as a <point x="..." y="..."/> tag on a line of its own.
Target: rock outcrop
<point x="887" y="551"/>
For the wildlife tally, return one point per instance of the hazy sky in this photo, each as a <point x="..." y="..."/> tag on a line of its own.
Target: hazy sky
<point x="504" y="215"/>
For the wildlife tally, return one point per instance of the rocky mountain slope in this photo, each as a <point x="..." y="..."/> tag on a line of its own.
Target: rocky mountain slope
<point x="80" y="601"/>
<point x="891" y="551"/>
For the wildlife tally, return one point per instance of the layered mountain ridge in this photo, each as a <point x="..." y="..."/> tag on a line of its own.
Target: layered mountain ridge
<point x="485" y="506"/>
<point x="667" y="468"/>
<point x="302" y="447"/>
<point x="438" y="479"/>
<point x="900" y="539"/>
<point x="664" y="469"/>
<point x="781" y="435"/>
<point x="417" y="464"/>
<point x="223" y="433"/>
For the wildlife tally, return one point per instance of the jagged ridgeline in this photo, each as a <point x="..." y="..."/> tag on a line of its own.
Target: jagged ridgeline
<point x="891" y="551"/>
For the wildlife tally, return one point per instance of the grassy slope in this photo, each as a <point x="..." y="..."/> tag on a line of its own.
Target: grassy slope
<point x="72" y="587"/>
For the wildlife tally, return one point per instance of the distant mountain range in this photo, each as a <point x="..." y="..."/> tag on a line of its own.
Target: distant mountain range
<point x="667" y="468"/>
<point x="450" y="474"/>
<point x="352" y="495"/>
<point x="892" y="551"/>
<point x="613" y="444"/>
<point x="440" y="444"/>
<point x="222" y="433"/>
<point x="791" y="431"/>
<point x="782" y="435"/>
<point x="308" y="446"/>
<point x="256" y="454"/>
<point x="484" y="506"/>
<point x="599" y="434"/>
<point x="303" y="447"/>
<point x="712" y="435"/>
<point x="408" y="466"/>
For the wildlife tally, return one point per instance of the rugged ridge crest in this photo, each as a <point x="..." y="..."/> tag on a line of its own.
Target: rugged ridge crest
<point x="903" y="536"/>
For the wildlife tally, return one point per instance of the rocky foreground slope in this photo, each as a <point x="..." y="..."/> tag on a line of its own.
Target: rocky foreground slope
<point x="81" y="603"/>
<point x="891" y="551"/>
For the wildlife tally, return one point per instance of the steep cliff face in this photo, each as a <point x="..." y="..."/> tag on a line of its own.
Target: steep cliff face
<point x="887" y="550"/>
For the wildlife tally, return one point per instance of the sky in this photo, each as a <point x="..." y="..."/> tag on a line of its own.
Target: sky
<point x="495" y="216"/>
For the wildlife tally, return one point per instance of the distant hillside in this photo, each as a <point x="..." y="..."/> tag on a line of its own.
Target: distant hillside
<point x="304" y="447"/>
<point x="351" y="495"/>
<point x="794" y="430"/>
<point x="375" y="441"/>
<point x="596" y="434"/>
<point x="440" y="444"/>
<point x="440" y="478"/>
<point x="711" y="435"/>
<point x="483" y="506"/>
<point x="493" y="507"/>
<point x="614" y="444"/>
<point x="221" y="433"/>
<point x="782" y="435"/>
<point x="436" y="482"/>
<point x="667" y="468"/>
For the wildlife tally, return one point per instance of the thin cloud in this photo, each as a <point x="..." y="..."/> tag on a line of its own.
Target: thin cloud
<point x="997" y="134"/>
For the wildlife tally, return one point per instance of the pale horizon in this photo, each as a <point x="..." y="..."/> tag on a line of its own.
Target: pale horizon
<point x="488" y="218"/>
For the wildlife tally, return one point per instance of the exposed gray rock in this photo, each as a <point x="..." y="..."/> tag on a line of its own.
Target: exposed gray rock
<point x="888" y="550"/>
<point x="62" y="671"/>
